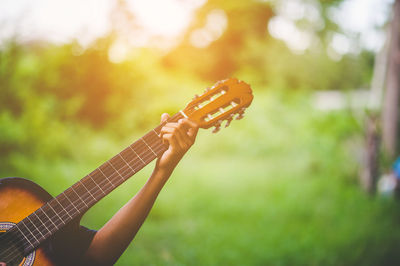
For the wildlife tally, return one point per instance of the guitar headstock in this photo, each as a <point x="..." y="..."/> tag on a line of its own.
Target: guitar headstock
<point x="222" y="101"/>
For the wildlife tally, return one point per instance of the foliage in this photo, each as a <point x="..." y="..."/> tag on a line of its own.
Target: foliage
<point x="278" y="188"/>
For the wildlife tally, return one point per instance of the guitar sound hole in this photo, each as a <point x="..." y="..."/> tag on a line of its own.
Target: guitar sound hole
<point x="10" y="253"/>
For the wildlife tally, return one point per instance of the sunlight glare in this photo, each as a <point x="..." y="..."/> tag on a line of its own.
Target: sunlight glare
<point x="284" y="29"/>
<point x="214" y="28"/>
<point x="164" y="17"/>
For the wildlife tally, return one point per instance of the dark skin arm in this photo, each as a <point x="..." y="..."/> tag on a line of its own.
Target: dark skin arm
<point x="114" y="237"/>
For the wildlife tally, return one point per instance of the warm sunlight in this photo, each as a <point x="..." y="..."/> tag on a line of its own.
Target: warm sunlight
<point x="87" y="20"/>
<point x="167" y="18"/>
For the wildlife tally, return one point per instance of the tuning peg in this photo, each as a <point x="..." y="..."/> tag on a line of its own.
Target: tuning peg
<point x="217" y="126"/>
<point x="195" y="97"/>
<point x="228" y="122"/>
<point x="240" y="115"/>
<point x="216" y="129"/>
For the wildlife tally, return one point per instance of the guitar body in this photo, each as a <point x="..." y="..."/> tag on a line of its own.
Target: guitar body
<point x="18" y="198"/>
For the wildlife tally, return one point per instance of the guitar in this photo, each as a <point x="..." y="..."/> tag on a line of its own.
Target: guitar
<point x="29" y="216"/>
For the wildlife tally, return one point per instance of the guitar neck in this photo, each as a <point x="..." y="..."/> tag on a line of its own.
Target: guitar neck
<point x="218" y="103"/>
<point x="77" y="199"/>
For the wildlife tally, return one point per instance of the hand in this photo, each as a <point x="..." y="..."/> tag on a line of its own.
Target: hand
<point x="180" y="137"/>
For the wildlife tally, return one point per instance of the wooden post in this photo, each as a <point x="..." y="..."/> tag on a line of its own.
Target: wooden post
<point x="390" y="117"/>
<point x="370" y="170"/>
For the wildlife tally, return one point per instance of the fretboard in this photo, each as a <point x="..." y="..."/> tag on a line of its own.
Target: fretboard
<point x="78" y="198"/>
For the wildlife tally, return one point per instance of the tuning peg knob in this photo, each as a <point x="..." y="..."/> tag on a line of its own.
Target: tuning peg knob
<point x="216" y="129"/>
<point x="195" y="97"/>
<point x="217" y="126"/>
<point x="240" y="115"/>
<point x="228" y="122"/>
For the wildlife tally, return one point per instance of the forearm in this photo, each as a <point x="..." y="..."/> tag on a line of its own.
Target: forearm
<point x="114" y="237"/>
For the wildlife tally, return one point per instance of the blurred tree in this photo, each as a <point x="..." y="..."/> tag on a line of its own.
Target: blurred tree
<point x="218" y="58"/>
<point x="247" y="49"/>
<point x="391" y="101"/>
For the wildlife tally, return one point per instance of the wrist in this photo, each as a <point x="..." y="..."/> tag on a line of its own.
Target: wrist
<point x="166" y="167"/>
<point x="162" y="172"/>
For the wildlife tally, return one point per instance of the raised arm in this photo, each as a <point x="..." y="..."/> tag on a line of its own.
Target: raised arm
<point x="114" y="237"/>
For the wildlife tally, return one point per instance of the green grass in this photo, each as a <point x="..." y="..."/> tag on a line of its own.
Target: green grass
<point x="277" y="188"/>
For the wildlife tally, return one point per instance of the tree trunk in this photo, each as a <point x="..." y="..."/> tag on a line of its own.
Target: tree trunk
<point x="379" y="76"/>
<point x="370" y="170"/>
<point x="390" y="108"/>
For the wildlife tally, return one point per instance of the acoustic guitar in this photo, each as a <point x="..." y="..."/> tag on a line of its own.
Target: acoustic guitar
<point x="30" y="217"/>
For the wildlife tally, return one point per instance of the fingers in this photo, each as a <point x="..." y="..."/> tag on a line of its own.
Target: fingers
<point x="171" y="140"/>
<point x="191" y="127"/>
<point x="164" y="117"/>
<point x="175" y="130"/>
<point x="178" y="132"/>
<point x="180" y="135"/>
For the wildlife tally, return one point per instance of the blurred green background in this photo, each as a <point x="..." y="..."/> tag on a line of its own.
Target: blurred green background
<point x="279" y="187"/>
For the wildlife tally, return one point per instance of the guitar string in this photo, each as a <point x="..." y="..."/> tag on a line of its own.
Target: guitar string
<point x="115" y="169"/>
<point x="114" y="174"/>
<point x="141" y="145"/>
<point x="139" y="149"/>
<point x="45" y="236"/>
<point x="125" y="165"/>
<point x="124" y="177"/>
<point x="72" y="204"/>
<point x="103" y="180"/>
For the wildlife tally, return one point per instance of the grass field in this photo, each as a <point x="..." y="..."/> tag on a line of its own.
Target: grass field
<point x="276" y="188"/>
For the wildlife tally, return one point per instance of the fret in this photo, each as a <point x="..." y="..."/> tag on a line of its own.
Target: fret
<point x="86" y="192"/>
<point x="66" y="197"/>
<point x="91" y="177"/>
<point x="41" y="222"/>
<point x="24" y="235"/>
<point x="29" y="231"/>
<point x="116" y="171"/>
<point x="49" y="204"/>
<point x="157" y="134"/>
<point x="128" y="155"/>
<point x="154" y="141"/>
<point x="106" y="170"/>
<point x="34" y="225"/>
<point x="137" y="155"/>
<point x="62" y="207"/>
<point x="106" y="177"/>
<point x="143" y="152"/>
<point x="72" y="188"/>
<point x="148" y="146"/>
<point x="83" y="184"/>
<point x="133" y="171"/>
<point x="51" y="220"/>
<point x="117" y="163"/>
